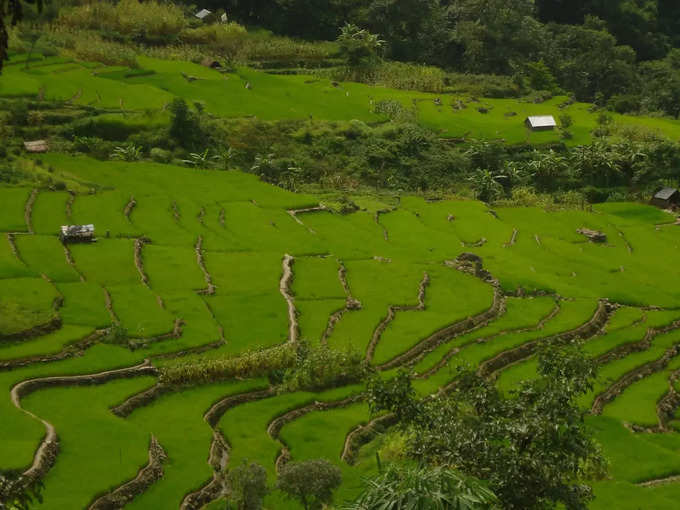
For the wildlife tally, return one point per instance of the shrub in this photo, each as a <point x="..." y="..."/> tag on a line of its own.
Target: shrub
<point x="358" y="46"/>
<point x="321" y="367"/>
<point x="150" y="22"/>
<point x="160" y="155"/>
<point x="247" y="485"/>
<point x="248" y="364"/>
<point x="227" y="40"/>
<point x="311" y="482"/>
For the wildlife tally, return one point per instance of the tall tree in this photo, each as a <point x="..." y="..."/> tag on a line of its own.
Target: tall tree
<point x="14" y="10"/>
<point x="532" y="446"/>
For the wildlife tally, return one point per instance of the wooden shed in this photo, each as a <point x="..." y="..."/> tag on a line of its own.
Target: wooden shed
<point x="77" y="234"/>
<point x="541" y="122"/>
<point x="666" y="198"/>
<point x="36" y="146"/>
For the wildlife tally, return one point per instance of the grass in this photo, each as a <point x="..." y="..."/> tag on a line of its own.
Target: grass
<point x="246" y="230"/>
<point x="25" y="303"/>
<point x="13" y="203"/>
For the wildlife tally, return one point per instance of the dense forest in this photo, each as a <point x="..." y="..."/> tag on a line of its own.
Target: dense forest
<point x="621" y="51"/>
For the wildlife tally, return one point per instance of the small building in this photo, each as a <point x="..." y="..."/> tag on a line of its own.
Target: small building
<point x="36" y="146"/>
<point x="541" y="123"/>
<point x="224" y="18"/>
<point x="667" y="198"/>
<point x="203" y="14"/>
<point x="77" y="234"/>
<point x="212" y="64"/>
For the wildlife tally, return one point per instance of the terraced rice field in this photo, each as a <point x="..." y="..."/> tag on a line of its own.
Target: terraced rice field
<point x="254" y="273"/>
<point x="276" y="97"/>
<point x="199" y="265"/>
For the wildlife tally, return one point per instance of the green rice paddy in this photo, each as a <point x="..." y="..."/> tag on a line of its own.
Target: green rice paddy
<point x="214" y="259"/>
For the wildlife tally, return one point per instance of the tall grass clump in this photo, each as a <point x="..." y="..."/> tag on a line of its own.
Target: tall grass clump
<point x="396" y="75"/>
<point x="151" y="22"/>
<point x="247" y="364"/>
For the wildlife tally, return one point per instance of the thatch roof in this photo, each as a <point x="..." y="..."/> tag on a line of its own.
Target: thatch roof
<point x="37" y="146"/>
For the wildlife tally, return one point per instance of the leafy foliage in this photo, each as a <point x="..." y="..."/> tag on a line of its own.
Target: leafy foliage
<point x="311" y="482"/>
<point x="532" y="446"/>
<point x="421" y="488"/>
<point x="247" y="484"/>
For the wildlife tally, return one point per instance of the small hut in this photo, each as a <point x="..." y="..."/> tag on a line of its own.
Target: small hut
<point x="541" y="123"/>
<point x="36" y="146"/>
<point x="203" y="14"/>
<point x="77" y="234"/>
<point x="212" y="64"/>
<point x="667" y="198"/>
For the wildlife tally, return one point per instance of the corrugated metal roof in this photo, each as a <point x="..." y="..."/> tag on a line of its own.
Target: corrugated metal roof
<point x="666" y="193"/>
<point x="542" y="121"/>
<point x="203" y="13"/>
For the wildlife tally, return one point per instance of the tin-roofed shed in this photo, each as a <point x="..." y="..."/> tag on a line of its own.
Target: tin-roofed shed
<point x="77" y="234"/>
<point x="203" y="14"/>
<point x="541" y="122"/>
<point x="666" y="198"/>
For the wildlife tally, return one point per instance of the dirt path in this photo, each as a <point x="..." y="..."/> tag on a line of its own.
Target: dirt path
<point x="28" y="211"/>
<point x="285" y="289"/>
<point x="376" y="217"/>
<point x="146" y="477"/>
<point x="294" y="214"/>
<point x="275" y="426"/>
<point x="109" y="306"/>
<point x="129" y="207"/>
<point x="71" y="262"/>
<point x="627" y="379"/>
<point x="200" y="260"/>
<point x="73" y="350"/>
<point x="139" y="262"/>
<point x="46" y="453"/>
<point x="513" y="238"/>
<point x="392" y="313"/>
<point x="456" y="350"/>
<point x="15" y="249"/>
<point x="493" y="366"/>
<point x="69" y="204"/>
<point x="350" y="303"/>
<point x="362" y="434"/>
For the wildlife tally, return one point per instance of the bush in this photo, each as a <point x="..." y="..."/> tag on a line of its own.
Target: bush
<point x="160" y="155"/>
<point x="151" y="22"/>
<point x="320" y="367"/>
<point x="248" y="364"/>
<point x="311" y="482"/>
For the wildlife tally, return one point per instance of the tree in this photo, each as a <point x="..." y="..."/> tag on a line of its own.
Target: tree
<point x="532" y="446"/>
<point x="487" y="185"/>
<point x="311" y="482"/>
<point x="184" y="124"/>
<point x="359" y="46"/>
<point x="247" y="484"/>
<point x="435" y="488"/>
<point x="13" y="9"/>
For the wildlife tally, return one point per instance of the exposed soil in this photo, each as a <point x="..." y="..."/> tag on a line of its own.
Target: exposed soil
<point x="129" y="207"/>
<point x="139" y="261"/>
<point x="45" y="455"/>
<point x="285" y="289"/>
<point x="28" y="211"/>
<point x="492" y="367"/>
<point x="146" y="477"/>
<point x="200" y="259"/>
<point x="391" y="314"/>
<point x="73" y="350"/>
<point x="294" y="214"/>
<point x="71" y="262"/>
